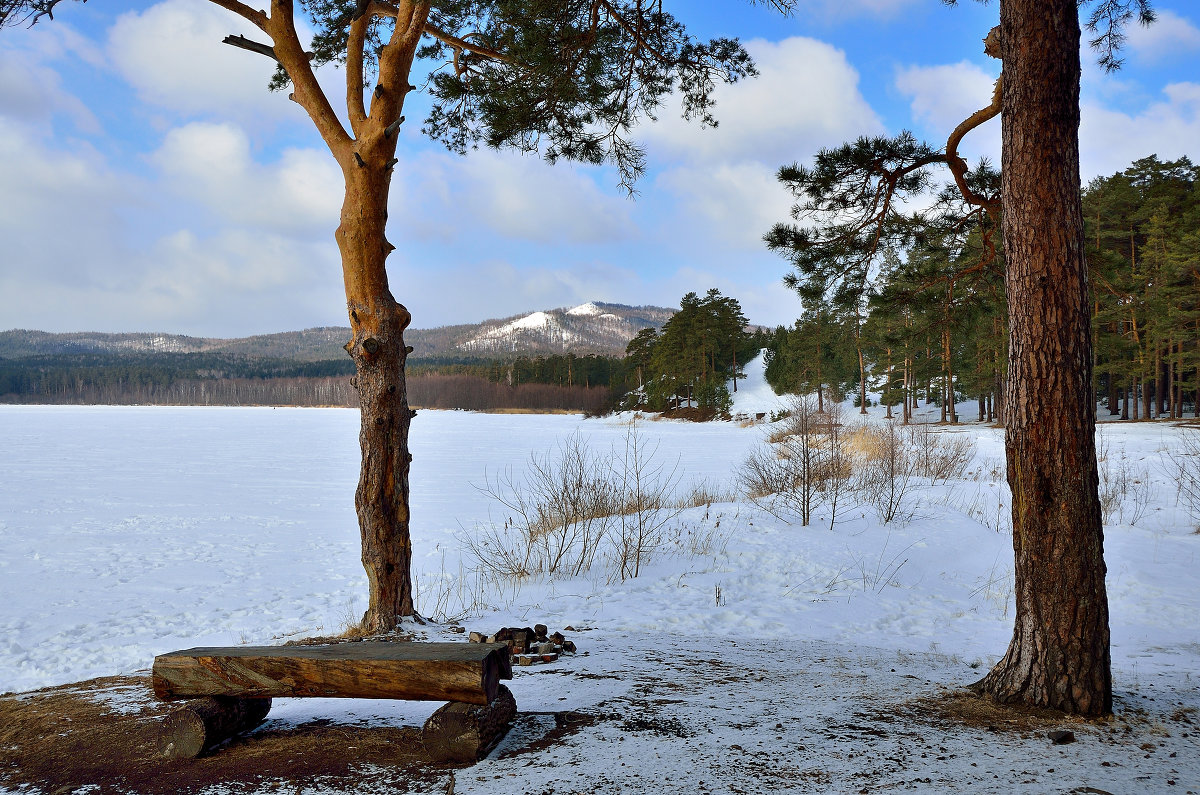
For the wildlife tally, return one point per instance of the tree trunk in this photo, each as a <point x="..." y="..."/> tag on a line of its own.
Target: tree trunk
<point x="1059" y="654"/>
<point x="379" y="353"/>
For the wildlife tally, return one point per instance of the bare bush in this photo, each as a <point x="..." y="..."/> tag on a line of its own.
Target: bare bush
<point x="573" y="507"/>
<point x="887" y="481"/>
<point x="940" y="455"/>
<point x="643" y="487"/>
<point x="705" y="492"/>
<point x="1185" y="462"/>
<point x="1124" y="487"/>
<point x="797" y="474"/>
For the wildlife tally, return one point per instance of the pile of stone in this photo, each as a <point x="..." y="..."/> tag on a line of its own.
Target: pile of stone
<point x="529" y="645"/>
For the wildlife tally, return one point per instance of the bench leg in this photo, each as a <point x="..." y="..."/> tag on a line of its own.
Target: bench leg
<point x="204" y="723"/>
<point x="467" y="732"/>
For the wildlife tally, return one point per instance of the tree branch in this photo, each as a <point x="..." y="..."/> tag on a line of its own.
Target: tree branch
<point x="257" y="18"/>
<point x="637" y="36"/>
<point x="253" y="46"/>
<point x="386" y="9"/>
<point x="281" y="26"/>
<point x="355" y="106"/>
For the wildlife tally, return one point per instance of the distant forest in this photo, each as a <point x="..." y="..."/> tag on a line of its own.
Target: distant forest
<point x="542" y="383"/>
<point x="933" y="325"/>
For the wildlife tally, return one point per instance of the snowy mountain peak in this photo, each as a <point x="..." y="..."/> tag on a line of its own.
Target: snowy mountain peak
<point x="588" y="328"/>
<point x="586" y="309"/>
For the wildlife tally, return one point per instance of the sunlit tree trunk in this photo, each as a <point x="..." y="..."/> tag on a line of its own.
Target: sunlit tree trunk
<point x="1059" y="654"/>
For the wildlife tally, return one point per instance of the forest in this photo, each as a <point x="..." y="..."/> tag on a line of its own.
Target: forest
<point x="932" y="325"/>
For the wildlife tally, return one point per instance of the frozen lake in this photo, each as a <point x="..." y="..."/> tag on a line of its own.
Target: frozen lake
<point x="126" y="531"/>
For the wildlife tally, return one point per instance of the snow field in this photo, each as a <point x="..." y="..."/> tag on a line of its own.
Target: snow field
<point x="769" y="661"/>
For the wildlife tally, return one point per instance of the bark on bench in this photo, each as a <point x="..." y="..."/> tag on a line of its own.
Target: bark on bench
<point x="461" y="732"/>
<point x="233" y="688"/>
<point x="466" y="672"/>
<point x="205" y="723"/>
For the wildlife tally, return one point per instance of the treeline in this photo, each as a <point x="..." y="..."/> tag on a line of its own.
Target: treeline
<point x="205" y="379"/>
<point x="433" y="391"/>
<point x="930" y="324"/>
<point x="1143" y="245"/>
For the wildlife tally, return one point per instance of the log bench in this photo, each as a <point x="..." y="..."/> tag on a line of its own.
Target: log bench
<point x="231" y="689"/>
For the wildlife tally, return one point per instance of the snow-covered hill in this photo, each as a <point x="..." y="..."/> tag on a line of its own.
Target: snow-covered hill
<point x="587" y="328"/>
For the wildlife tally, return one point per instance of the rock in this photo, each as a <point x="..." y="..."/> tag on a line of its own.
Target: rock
<point x="568" y="647"/>
<point x="467" y="732"/>
<point x="540" y="630"/>
<point x="1062" y="737"/>
<point x="521" y="640"/>
<point x="458" y="629"/>
<point x="525" y="659"/>
<point x="557" y="639"/>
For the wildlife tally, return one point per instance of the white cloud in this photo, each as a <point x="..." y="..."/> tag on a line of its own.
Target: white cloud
<point x="1170" y="35"/>
<point x="737" y="203"/>
<point x="805" y="97"/>
<point x="173" y="56"/>
<point x="723" y="180"/>
<point x="213" y="164"/>
<point x="30" y="90"/>
<point x="441" y="196"/>
<point x="941" y="97"/>
<point x="1109" y="140"/>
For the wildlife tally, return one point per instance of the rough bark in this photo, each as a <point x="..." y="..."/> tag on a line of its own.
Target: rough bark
<point x="1059" y="654"/>
<point x="464" y="672"/>
<point x="465" y="732"/>
<point x="205" y="723"/>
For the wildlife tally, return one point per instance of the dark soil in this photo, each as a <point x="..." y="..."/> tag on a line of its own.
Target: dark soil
<point x="62" y="738"/>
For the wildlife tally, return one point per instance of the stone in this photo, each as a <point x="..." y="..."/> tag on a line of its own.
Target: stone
<point x="1062" y="736"/>
<point x="557" y="639"/>
<point x="540" y="630"/>
<point x="568" y="647"/>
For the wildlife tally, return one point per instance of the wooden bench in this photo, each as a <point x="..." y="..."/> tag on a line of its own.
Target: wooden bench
<point x="232" y="689"/>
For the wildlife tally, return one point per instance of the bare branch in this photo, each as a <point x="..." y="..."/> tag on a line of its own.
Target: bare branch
<point x="257" y="18"/>
<point x="253" y="46"/>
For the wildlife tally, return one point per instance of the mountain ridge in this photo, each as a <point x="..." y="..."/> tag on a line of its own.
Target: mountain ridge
<point x="590" y="328"/>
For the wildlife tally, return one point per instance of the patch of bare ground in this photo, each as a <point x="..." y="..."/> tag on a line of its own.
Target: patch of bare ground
<point x="963" y="708"/>
<point x="102" y="733"/>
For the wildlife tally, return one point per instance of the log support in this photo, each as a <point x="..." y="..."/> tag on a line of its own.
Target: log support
<point x="200" y="725"/>
<point x="460" y="732"/>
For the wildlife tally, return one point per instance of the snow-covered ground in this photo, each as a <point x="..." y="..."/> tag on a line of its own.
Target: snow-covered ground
<point x="127" y="532"/>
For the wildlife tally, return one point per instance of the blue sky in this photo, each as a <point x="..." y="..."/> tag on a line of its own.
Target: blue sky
<point x="151" y="183"/>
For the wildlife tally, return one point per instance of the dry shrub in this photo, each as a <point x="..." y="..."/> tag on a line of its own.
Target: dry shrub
<point x="1184" y="463"/>
<point x="803" y="465"/>
<point x="940" y="455"/>
<point x="705" y="492"/>
<point x="574" y="506"/>
<point x="887" y="480"/>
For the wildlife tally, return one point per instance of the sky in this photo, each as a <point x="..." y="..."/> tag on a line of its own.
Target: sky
<point x="150" y="182"/>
